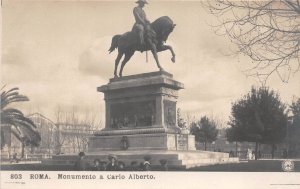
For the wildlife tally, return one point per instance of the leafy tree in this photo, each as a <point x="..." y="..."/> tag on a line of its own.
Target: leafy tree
<point x="258" y="117"/>
<point x="294" y="127"/>
<point x="204" y="130"/>
<point x="2" y="138"/>
<point x="21" y="127"/>
<point x="232" y="135"/>
<point x="266" y="31"/>
<point x="295" y="107"/>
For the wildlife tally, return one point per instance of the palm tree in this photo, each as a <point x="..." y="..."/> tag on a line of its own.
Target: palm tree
<point x="20" y="126"/>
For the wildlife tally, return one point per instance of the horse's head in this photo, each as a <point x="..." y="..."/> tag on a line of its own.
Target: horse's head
<point x="163" y="26"/>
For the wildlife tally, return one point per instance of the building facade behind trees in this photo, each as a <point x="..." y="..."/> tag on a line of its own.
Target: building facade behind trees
<point x="57" y="138"/>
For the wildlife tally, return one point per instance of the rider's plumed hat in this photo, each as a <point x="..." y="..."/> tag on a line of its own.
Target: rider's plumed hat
<point x="142" y="1"/>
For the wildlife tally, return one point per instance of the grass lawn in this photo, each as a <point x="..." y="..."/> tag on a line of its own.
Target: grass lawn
<point x="251" y="166"/>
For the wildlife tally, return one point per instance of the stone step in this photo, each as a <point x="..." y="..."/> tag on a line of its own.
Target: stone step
<point x="174" y="164"/>
<point x="202" y="154"/>
<point x="126" y="161"/>
<point x="206" y="164"/>
<point x="155" y="157"/>
<point x="175" y="155"/>
<point x="209" y="161"/>
<point x="185" y="159"/>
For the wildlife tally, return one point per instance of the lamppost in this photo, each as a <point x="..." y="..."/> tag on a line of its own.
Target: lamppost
<point x="289" y="123"/>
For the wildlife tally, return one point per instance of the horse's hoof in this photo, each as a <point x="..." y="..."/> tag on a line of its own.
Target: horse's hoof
<point x="161" y="69"/>
<point x="116" y="76"/>
<point x="173" y="59"/>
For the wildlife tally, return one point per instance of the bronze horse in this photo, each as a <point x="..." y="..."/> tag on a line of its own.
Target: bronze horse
<point x="128" y="43"/>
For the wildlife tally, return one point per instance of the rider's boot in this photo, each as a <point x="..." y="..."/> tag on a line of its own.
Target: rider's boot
<point x="142" y="41"/>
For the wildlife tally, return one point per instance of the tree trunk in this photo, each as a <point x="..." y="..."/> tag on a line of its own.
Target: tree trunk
<point x="256" y="146"/>
<point x="32" y="149"/>
<point x="58" y="150"/>
<point x="258" y="152"/>
<point x="273" y="150"/>
<point x="204" y="145"/>
<point x="236" y="155"/>
<point x="9" y="151"/>
<point x="23" y="150"/>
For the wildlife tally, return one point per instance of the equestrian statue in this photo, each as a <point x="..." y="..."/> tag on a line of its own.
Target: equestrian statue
<point x="144" y="36"/>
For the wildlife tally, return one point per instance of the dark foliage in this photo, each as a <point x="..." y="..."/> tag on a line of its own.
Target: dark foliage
<point x="204" y="130"/>
<point x="258" y="117"/>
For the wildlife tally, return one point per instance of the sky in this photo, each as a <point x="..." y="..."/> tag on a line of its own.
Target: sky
<point x="57" y="54"/>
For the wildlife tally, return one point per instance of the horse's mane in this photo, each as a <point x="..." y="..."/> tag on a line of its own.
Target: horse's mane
<point x="163" y="22"/>
<point x="161" y="25"/>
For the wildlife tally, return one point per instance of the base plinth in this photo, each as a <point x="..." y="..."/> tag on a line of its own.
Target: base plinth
<point x="155" y="141"/>
<point x="175" y="159"/>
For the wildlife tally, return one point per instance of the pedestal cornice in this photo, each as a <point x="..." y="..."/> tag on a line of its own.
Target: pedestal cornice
<point x="162" y="79"/>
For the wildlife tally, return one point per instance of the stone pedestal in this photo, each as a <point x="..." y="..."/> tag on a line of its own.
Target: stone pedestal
<point x="140" y="121"/>
<point x="141" y="114"/>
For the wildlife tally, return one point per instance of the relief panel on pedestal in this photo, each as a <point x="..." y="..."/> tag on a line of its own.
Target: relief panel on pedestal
<point x="132" y="114"/>
<point x="170" y="113"/>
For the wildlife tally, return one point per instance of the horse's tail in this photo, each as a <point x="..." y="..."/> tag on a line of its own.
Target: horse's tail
<point x="114" y="43"/>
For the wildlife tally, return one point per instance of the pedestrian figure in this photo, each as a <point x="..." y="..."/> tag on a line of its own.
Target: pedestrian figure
<point x="80" y="164"/>
<point x="164" y="165"/>
<point x="147" y="164"/>
<point x="15" y="159"/>
<point x="141" y="167"/>
<point x="103" y="165"/>
<point x="96" y="166"/>
<point x="133" y="166"/>
<point x="253" y="155"/>
<point x="259" y="154"/>
<point x="284" y="154"/>
<point x="249" y="154"/>
<point x="121" y="166"/>
<point x="113" y="164"/>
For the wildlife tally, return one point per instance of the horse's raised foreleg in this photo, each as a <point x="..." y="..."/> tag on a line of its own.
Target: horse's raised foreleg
<point x="128" y="55"/>
<point x="167" y="47"/>
<point x="154" y="52"/>
<point x="117" y="63"/>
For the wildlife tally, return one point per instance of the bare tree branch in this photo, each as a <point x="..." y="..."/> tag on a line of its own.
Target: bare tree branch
<point x="266" y="31"/>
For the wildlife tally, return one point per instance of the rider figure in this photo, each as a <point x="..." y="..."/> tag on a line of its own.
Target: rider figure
<point x="141" y="23"/>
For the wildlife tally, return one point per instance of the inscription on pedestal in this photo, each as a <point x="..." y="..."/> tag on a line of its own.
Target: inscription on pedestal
<point x="132" y="114"/>
<point x="182" y="142"/>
